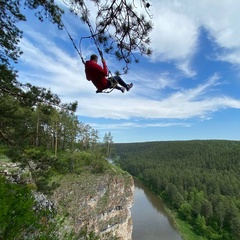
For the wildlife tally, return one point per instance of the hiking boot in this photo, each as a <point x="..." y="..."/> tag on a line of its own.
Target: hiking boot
<point x="98" y="91"/>
<point x="129" y="86"/>
<point x="122" y="89"/>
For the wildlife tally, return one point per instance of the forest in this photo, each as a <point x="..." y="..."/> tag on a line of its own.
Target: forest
<point x="198" y="179"/>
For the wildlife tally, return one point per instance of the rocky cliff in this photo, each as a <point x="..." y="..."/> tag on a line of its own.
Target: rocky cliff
<point x="98" y="203"/>
<point x="94" y="203"/>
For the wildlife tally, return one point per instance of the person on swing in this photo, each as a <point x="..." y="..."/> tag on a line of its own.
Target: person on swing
<point x="97" y="74"/>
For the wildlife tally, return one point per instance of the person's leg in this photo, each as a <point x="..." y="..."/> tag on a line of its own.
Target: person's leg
<point x="122" y="83"/>
<point x="120" y="88"/>
<point x="110" y="83"/>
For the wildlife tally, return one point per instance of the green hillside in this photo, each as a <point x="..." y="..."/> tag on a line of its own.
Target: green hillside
<point x="197" y="179"/>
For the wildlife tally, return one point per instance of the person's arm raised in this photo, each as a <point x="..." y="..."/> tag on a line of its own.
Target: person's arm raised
<point x="105" y="69"/>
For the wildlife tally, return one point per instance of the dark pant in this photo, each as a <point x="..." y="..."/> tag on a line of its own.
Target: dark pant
<point x="120" y="81"/>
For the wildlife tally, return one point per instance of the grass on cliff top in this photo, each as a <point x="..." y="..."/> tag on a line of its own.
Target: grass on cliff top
<point x="81" y="163"/>
<point x="48" y="170"/>
<point x="4" y="159"/>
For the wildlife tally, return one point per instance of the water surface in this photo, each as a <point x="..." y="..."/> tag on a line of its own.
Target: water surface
<point x="150" y="220"/>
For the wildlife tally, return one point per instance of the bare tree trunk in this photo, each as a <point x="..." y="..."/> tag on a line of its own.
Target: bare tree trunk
<point x="37" y="131"/>
<point x="108" y="150"/>
<point x="56" y="141"/>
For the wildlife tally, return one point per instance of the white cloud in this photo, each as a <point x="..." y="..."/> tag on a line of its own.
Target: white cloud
<point x="230" y="56"/>
<point x="51" y="68"/>
<point x="56" y="69"/>
<point x="180" y="105"/>
<point x="186" y="69"/>
<point x="177" y="25"/>
<point x="46" y="64"/>
<point x="127" y="125"/>
<point x="174" y="36"/>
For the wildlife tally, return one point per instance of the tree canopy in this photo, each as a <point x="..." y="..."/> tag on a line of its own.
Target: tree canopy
<point x="118" y="26"/>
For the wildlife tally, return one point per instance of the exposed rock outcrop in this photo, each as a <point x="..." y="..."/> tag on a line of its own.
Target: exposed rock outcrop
<point x="99" y="203"/>
<point x="15" y="173"/>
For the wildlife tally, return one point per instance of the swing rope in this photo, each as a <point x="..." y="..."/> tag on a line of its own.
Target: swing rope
<point x="93" y="37"/>
<point x="113" y="81"/>
<point x="74" y="45"/>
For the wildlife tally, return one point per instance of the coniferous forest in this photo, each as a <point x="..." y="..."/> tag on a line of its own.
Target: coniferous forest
<point x="200" y="180"/>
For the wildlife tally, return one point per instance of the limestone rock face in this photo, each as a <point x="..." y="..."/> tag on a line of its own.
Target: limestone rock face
<point x="98" y="203"/>
<point x="14" y="173"/>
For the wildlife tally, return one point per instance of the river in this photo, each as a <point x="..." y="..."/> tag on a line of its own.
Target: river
<point x="150" y="220"/>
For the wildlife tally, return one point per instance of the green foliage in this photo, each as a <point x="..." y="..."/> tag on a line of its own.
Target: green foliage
<point x="199" y="179"/>
<point x="84" y="234"/>
<point x="83" y="161"/>
<point x="187" y="231"/>
<point x="120" y="29"/>
<point x="45" y="166"/>
<point x="17" y="100"/>
<point x="185" y="211"/>
<point x="18" y="220"/>
<point x="10" y="15"/>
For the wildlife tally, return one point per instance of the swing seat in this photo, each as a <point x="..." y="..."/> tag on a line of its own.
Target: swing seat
<point x="114" y="83"/>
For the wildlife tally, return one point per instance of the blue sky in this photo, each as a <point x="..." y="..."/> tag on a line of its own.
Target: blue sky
<point x="188" y="89"/>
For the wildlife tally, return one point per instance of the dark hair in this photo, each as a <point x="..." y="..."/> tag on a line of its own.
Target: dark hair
<point x="94" y="57"/>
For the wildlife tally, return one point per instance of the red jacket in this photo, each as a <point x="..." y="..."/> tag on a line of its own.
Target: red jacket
<point x="95" y="73"/>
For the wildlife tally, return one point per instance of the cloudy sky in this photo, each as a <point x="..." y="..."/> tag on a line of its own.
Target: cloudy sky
<point x="188" y="89"/>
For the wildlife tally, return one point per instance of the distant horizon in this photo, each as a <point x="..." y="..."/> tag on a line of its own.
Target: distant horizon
<point x="230" y="140"/>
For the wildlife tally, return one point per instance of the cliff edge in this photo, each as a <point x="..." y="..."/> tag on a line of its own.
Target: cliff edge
<point x="96" y="203"/>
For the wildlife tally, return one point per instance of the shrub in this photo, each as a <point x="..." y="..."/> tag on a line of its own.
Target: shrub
<point x="18" y="219"/>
